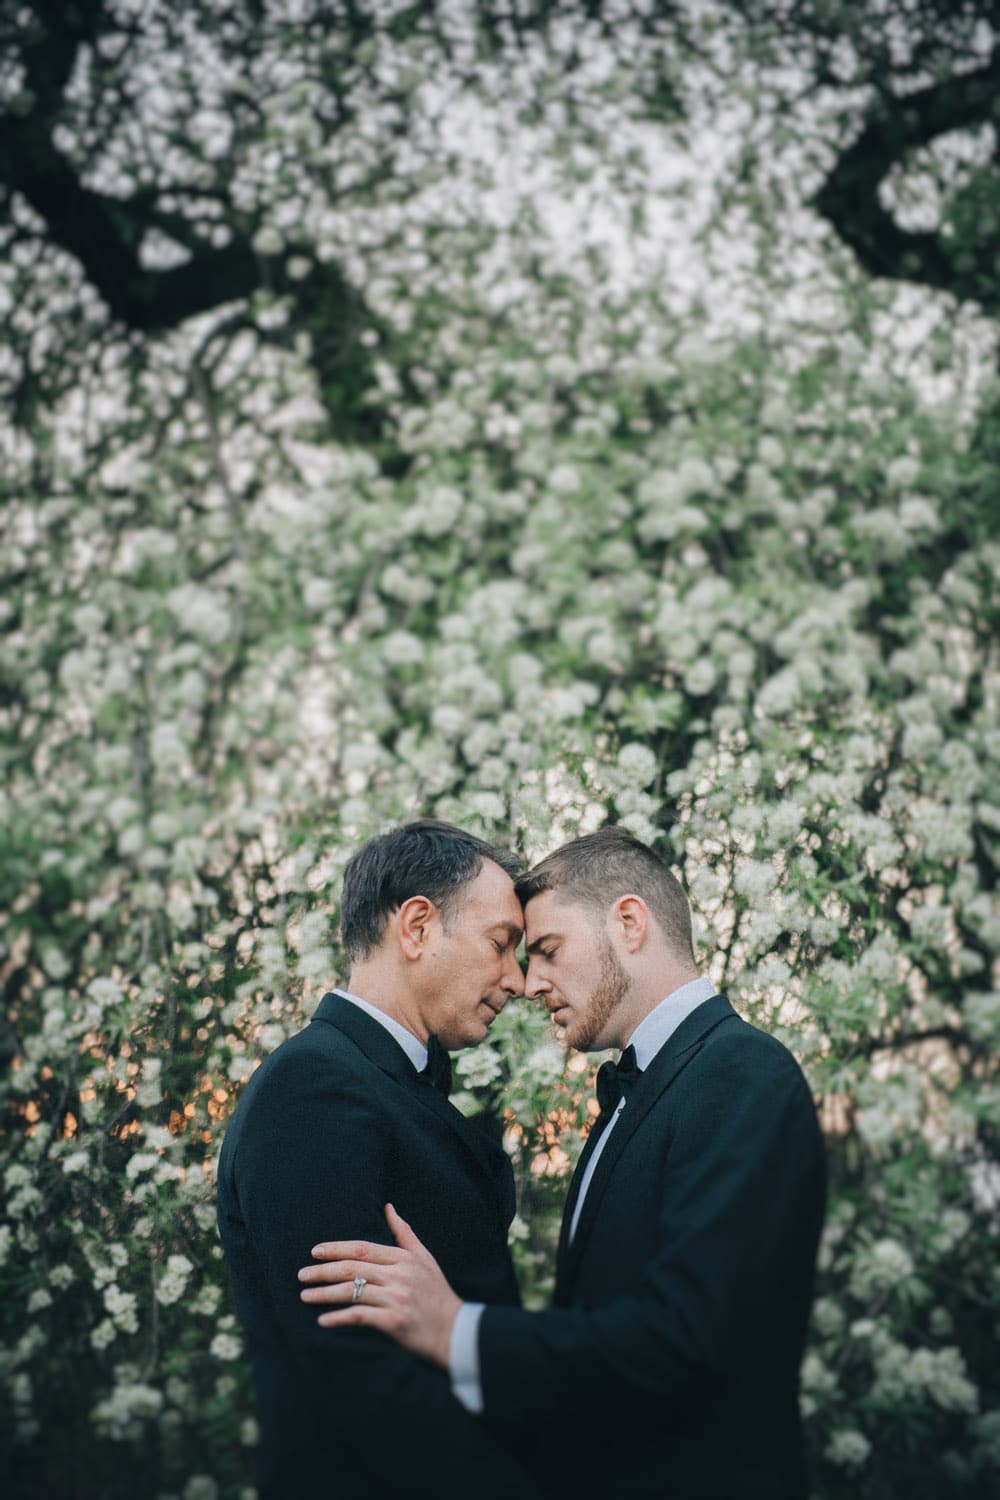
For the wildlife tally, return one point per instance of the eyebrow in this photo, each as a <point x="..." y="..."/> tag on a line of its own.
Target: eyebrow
<point x="512" y="929"/>
<point x="539" y="942"/>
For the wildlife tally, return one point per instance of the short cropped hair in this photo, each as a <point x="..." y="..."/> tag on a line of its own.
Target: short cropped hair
<point x="425" y="858"/>
<point x="594" y="871"/>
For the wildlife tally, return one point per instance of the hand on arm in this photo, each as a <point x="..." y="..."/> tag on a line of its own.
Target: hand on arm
<point x="405" y="1294"/>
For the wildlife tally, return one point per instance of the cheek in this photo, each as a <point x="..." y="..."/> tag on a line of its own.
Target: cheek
<point x="576" y="987"/>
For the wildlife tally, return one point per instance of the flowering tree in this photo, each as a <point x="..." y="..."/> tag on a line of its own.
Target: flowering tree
<point x="553" y="550"/>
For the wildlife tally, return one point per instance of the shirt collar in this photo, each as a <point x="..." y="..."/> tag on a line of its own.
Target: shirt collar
<point x="414" y="1049"/>
<point x="655" y="1030"/>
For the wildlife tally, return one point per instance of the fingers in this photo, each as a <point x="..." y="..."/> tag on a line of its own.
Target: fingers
<point x="330" y="1271"/>
<point x="361" y="1315"/>
<point x="401" y="1231"/>
<point x="365" y="1250"/>
<point x="341" y="1294"/>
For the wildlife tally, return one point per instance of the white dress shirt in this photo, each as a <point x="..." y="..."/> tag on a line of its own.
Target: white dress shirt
<point x="414" y="1048"/>
<point x="652" y="1033"/>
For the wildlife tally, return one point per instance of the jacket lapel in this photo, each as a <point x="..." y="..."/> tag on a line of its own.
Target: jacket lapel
<point x="672" y="1058"/>
<point x="381" y="1048"/>
<point x="491" y="1156"/>
<point x="589" y="1147"/>
<point x="371" y="1038"/>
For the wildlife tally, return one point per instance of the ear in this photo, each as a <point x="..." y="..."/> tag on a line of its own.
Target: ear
<point x="413" y="925"/>
<point x="630" y="920"/>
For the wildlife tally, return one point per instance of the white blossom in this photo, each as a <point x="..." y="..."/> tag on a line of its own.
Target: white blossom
<point x="885" y="1266"/>
<point x="201" y="1487"/>
<point x="848" y="1448"/>
<point x="564" y="479"/>
<point x="981" y="1013"/>
<point x="139" y="1162"/>
<point x="173" y="1283"/>
<point x="637" y="764"/>
<point x="546" y="1062"/>
<point x="129" y="1405"/>
<point x="225" y="1346"/>
<point x="449" y="720"/>
<point x="755" y="880"/>
<point x="403" y="649"/>
<point x="984" y="1184"/>
<point x="479" y="1066"/>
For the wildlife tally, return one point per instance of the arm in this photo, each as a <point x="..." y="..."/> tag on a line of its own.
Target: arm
<point x="319" y="1158"/>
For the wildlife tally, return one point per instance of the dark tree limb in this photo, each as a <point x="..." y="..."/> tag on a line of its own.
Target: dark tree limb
<point x="105" y="233"/>
<point x="954" y="1035"/>
<point x="102" y="232"/>
<point x="896" y="126"/>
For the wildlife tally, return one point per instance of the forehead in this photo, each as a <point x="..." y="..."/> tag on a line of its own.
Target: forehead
<point x="548" y="913"/>
<point x="491" y="897"/>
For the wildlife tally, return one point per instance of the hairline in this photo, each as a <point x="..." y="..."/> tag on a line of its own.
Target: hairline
<point x="560" y="875"/>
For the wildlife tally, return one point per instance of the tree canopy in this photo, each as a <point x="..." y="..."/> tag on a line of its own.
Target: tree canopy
<point x="468" y="410"/>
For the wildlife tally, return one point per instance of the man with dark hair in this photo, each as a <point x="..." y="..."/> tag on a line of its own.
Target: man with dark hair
<point x="348" y="1114"/>
<point x="686" y="1262"/>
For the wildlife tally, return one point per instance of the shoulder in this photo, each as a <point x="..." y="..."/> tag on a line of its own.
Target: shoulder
<point x="739" y="1049"/>
<point x="318" y="1059"/>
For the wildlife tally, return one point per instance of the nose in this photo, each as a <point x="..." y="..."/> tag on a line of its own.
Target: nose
<point x="534" y="984"/>
<point x="512" y="981"/>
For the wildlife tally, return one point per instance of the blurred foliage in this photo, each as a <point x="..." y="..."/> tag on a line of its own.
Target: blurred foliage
<point x="468" y="503"/>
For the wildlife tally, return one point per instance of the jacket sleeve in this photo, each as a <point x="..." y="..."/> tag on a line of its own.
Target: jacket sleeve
<point x="315" y="1165"/>
<point x="741" y="1201"/>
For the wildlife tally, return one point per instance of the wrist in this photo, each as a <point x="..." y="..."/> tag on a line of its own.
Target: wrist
<point x="441" y="1353"/>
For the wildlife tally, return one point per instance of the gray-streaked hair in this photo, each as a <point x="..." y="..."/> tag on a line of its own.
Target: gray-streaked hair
<point x="424" y="858"/>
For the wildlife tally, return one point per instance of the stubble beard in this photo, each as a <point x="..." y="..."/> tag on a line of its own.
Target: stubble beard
<point x="611" y="989"/>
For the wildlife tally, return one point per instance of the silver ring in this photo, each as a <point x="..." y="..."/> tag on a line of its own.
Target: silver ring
<point x="360" y="1282"/>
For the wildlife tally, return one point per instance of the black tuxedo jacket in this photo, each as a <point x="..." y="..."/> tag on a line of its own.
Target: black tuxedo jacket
<point x="331" y="1127"/>
<point x="670" y="1360"/>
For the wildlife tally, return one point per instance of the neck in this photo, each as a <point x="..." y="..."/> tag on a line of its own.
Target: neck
<point x="646" y="994"/>
<point x="372" y="981"/>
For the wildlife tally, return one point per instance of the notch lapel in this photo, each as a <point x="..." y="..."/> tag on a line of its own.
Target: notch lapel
<point x="368" y="1035"/>
<point x="381" y="1048"/>
<point x="672" y="1058"/>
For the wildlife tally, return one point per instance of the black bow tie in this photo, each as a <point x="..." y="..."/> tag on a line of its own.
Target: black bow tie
<point x="616" y="1079"/>
<point x="438" y="1070"/>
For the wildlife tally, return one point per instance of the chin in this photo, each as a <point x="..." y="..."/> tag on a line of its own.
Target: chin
<point x="470" y="1037"/>
<point x="581" y="1040"/>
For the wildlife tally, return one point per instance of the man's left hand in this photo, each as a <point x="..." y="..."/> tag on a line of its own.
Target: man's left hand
<point x="405" y="1293"/>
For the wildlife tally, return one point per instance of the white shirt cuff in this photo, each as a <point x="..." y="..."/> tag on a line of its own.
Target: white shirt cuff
<point x="463" y="1357"/>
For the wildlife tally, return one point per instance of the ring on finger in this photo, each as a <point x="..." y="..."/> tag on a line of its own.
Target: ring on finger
<point x="360" y="1282"/>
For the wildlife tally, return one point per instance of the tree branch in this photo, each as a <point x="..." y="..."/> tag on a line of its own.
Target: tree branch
<point x="897" y="125"/>
<point x="105" y="233"/>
